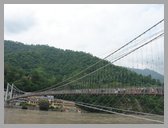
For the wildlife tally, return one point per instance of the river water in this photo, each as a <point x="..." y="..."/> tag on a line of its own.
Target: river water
<point x="20" y="116"/>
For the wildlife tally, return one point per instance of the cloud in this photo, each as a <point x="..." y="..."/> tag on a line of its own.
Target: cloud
<point x="18" y="25"/>
<point x="17" y="20"/>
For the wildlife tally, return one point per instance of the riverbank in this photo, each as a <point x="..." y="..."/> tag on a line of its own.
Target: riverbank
<point x="36" y="108"/>
<point x="53" y="105"/>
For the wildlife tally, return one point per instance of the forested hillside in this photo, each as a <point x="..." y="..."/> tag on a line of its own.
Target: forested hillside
<point x="33" y="67"/>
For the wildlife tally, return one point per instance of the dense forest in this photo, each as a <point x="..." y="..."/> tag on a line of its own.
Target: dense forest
<point x="34" y="67"/>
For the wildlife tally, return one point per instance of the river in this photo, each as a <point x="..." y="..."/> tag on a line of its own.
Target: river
<point x="20" y="116"/>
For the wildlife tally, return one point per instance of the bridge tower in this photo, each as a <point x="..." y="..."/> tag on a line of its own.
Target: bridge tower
<point x="9" y="92"/>
<point x="6" y="93"/>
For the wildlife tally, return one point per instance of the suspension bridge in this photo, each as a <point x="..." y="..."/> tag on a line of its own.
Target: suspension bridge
<point x="109" y="84"/>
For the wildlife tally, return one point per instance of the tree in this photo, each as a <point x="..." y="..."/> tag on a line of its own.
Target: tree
<point x="44" y="104"/>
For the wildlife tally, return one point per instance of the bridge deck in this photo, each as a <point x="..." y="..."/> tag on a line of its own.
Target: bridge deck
<point x="101" y="91"/>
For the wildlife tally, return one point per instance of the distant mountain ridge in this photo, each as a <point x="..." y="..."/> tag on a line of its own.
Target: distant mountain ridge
<point x="147" y="72"/>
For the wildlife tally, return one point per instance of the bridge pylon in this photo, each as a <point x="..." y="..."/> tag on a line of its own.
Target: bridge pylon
<point x="9" y="92"/>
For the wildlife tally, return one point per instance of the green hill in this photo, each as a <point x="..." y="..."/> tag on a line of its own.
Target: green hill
<point x="34" y="67"/>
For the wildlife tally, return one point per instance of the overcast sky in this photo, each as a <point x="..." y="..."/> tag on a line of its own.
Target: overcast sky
<point x="93" y="28"/>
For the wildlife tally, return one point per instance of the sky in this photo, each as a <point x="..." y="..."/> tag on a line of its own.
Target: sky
<point x="98" y="29"/>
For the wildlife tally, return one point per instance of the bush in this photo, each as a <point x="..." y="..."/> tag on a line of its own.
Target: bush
<point x="44" y="104"/>
<point x="24" y="105"/>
